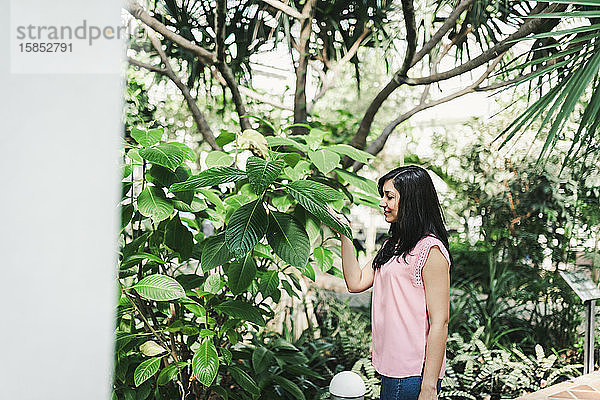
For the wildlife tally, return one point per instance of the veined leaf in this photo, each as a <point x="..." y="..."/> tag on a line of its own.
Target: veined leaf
<point x="289" y="387"/>
<point x="244" y="380"/>
<point x="145" y="370"/>
<point x="364" y="184"/>
<point x="325" y="160"/>
<point x="241" y="273"/>
<point x="153" y="203"/>
<point x="225" y="137"/>
<point x="324" y="258"/>
<point x="166" y="154"/>
<point x="241" y="310"/>
<point x="312" y="201"/>
<point x="209" y="177"/>
<point x="205" y="363"/>
<point x="288" y="239"/>
<point x="308" y="271"/>
<point x="214" y="252"/>
<point x="185" y="150"/>
<point x="212" y="283"/>
<point x="246" y="227"/>
<point x="268" y="283"/>
<point x="262" y="358"/>
<point x="197" y="205"/>
<point x="317" y="190"/>
<point x="148" y="137"/>
<point x="352" y="152"/>
<point x="262" y="173"/>
<point x="151" y="348"/>
<point x="169" y="372"/>
<point x="159" y="288"/>
<point x="275" y="141"/>
<point x="218" y="159"/>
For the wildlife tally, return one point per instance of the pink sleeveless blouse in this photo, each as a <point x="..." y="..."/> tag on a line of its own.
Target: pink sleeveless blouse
<point x="399" y="313"/>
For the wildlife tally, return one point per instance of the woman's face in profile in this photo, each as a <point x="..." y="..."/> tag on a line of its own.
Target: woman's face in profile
<point x="390" y="201"/>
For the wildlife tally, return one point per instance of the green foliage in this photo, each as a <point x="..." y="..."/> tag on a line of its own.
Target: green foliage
<point x="476" y="371"/>
<point x="204" y="257"/>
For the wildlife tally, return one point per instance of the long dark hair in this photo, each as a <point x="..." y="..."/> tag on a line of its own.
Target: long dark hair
<point x="419" y="213"/>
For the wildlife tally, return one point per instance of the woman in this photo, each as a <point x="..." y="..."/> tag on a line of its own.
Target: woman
<point x="411" y="284"/>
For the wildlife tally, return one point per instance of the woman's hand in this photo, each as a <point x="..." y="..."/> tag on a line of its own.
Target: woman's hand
<point x="428" y="393"/>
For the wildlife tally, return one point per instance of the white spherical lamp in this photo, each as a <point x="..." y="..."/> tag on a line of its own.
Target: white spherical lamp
<point x="347" y="385"/>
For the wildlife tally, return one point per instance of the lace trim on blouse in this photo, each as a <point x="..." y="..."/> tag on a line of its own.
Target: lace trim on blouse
<point x="425" y="246"/>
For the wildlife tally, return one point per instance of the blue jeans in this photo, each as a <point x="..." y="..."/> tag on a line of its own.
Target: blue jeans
<point x="403" y="388"/>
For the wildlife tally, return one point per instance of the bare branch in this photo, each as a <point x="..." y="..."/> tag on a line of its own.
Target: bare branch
<point x="377" y="145"/>
<point x="149" y="67"/>
<point x="408" y="10"/>
<point x="221" y="10"/>
<point x="201" y="122"/>
<point x="435" y="39"/>
<point x="528" y="27"/>
<point x="206" y="57"/>
<point x="533" y="25"/>
<point x="300" y="111"/>
<point x="292" y="12"/>
<point x="328" y="83"/>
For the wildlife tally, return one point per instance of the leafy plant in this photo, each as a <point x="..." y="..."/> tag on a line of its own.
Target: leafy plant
<point x="475" y="371"/>
<point x="205" y="256"/>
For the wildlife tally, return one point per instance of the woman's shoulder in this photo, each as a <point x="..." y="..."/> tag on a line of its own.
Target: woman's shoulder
<point x="425" y="244"/>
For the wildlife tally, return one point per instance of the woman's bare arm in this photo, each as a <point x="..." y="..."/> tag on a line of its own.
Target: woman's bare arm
<point x="357" y="279"/>
<point x="436" y="279"/>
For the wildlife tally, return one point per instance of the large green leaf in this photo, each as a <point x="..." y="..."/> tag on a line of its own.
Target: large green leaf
<point x="241" y="310"/>
<point x="352" y="152"/>
<point x="288" y="239"/>
<point x="275" y="141"/>
<point x="325" y="160"/>
<point x="364" y="184"/>
<point x="262" y="173"/>
<point x="205" y="363"/>
<point x="212" y="283"/>
<point x="218" y="159"/>
<point x="153" y="203"/>
<point x="159" y="288"/>
<point x="262" y="358"/>
<point x="148" y="137"/>
<point x="241" y="273"/>
<point x="210" y="177"/>
<point x="324" y="258"/>
<point x="179" y="238"/>
<point x="169" y="372"/>
<point x="161" y="176"/>
<point x="214" y="252"/>
<point x="195" y="206"/>
<point x="289" y="387"/>
<point x="269" y="283"/>
<point x="310" y="199"/>
<point x="246" y="227"/>
<point x="145" y="370"/>
<point x="244" y="380"/>
<point x="166" y="154"/>
<point x="187" y="152"/>
<point x="317" y="190"/>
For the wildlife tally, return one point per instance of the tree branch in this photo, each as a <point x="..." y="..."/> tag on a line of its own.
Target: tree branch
<point x="377" y="145"/>
<point x="435" y="39"/>
<point x="300" y="111"/>
<point x="328" y="83"/>
<point x="528" y="27"/>
<point x="201" y="122"/>
<point x="206" y="57"/>
<point x="292" y="12"/>
<point x="533" y="25"/>
<point x="408" y="10"/>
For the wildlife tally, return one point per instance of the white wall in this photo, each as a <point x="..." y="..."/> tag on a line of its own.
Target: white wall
<point x="59" y="174"/>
